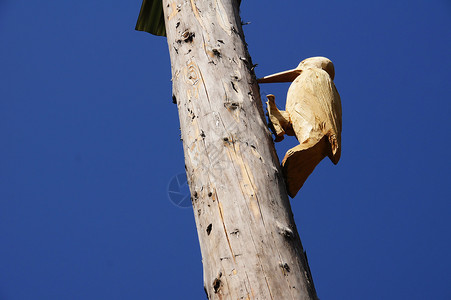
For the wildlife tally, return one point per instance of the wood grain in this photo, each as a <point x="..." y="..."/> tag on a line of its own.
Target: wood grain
<point x="313" y="112"/>
<point x="248" y="239"/>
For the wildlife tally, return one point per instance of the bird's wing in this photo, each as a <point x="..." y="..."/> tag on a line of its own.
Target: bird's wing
<point x="315" y="108"/>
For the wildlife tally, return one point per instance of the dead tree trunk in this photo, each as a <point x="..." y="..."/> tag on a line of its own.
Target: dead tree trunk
<point x="249" y="242"/>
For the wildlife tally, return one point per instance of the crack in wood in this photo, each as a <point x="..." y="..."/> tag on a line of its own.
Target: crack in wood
<point x="225" y="230"/>
<point x="217" y="283"/>
<point x="209" y="228"/>
<point x="269" y="289"/>
<point x="233" y="87"/>
<point x="285" y="268"/>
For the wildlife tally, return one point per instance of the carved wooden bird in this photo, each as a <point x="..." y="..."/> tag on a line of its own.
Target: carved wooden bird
<point x="312" y="114"/>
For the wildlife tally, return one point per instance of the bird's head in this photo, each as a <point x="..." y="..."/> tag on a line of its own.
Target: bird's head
<point x="318" y="62"/>
<point x="290" y="75"/>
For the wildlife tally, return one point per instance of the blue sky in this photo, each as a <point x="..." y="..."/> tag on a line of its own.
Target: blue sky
<point x="90" y="144"/>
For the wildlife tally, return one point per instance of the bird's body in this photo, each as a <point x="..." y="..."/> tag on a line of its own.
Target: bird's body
<point x="312" y="114"/>
<point x="314" y="106"/>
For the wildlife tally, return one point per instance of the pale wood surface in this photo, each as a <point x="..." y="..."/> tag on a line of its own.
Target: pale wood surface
<point x="248" y="239"/>
<point x="313" y="112"/>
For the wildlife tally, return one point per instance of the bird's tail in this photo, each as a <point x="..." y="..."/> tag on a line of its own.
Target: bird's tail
<point x="299" y="163"/>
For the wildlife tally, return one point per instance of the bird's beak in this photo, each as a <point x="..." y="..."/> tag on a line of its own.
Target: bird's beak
<point x="286" y="76"/>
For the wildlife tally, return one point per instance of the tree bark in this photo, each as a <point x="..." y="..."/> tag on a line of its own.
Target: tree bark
<point x="249" y="242"/>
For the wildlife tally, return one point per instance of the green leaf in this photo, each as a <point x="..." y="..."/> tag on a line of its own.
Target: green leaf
<point x="151" y="17"/>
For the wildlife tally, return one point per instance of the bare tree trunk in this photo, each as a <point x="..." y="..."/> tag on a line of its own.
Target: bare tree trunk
<point x="249" y="242"/>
